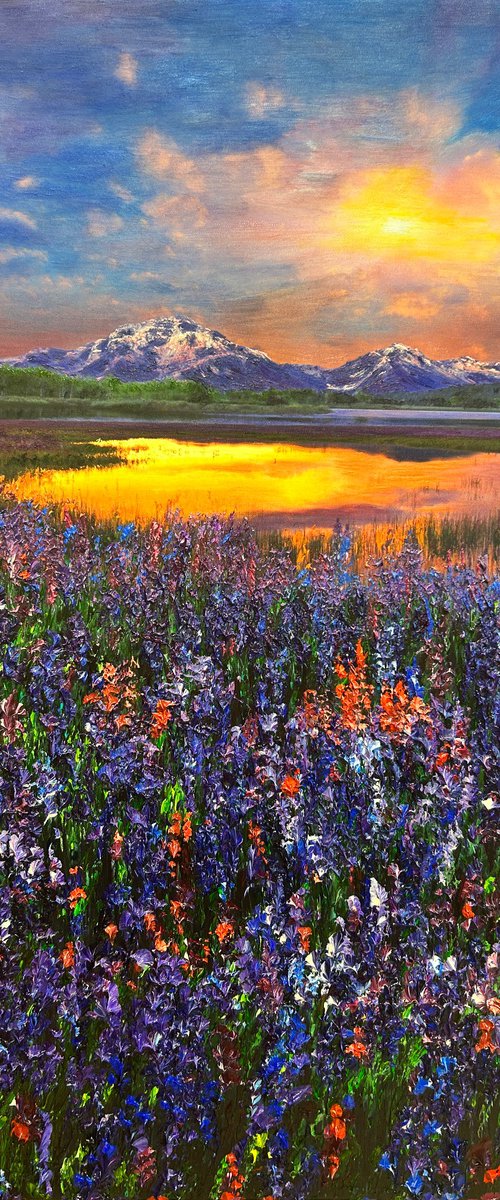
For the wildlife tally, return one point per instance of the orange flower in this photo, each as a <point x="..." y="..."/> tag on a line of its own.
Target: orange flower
<point x="117" y="845"/>
<point x="161" y="717"/>
<point x="467" y="911"/>
<point x="175" y="824"/>
<point x="485" y="1039"/>
<point x="20" y="1130"/>
<point x="223" y="930"/>
<point x="337" y="1129"/>
<point x="254" y="833"/>
<point x="442" y="758"/>
<point x="160" y="944"/>
<point x="304" y="932"/>
<point x="399" y="712"/>
<point x="358" y="1048"/>
<point x="111" y="696"/>
<point x="290" y="786"/>
<point x="187" y="831"/>
<point x="333" y="1164"/>
<point x="111" y="931"/>
<point x="150" y="922"/>
<point x="91" y="698"/>
<point x="354" y="692"/>
<point x="491" y="1175"/>
<point x="67" y="956"/>
<point x="75" y="895"/>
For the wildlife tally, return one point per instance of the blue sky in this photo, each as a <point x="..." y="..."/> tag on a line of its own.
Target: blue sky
<point x="312" y="176"/>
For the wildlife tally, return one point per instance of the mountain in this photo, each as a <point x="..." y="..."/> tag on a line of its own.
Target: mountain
<point x="474" y="372"/>
<point x="177" y="348"/>
<point x="401" y="369"/>
<point x="173" y="348"/>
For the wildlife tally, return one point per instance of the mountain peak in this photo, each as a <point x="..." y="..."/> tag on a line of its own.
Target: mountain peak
<point x="176" y="347"/>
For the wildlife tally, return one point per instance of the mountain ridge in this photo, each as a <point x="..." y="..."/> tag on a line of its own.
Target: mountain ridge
<point x="179" y="348"/>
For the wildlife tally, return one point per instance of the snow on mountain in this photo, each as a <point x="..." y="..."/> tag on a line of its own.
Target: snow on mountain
<point x="473" y="371"/>
<point x="172" y="348"/>
<point x="177" y="348"/>
<point x="398" y="369"/>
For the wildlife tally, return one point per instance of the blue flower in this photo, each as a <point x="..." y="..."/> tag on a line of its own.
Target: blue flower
<point x="421" y="1085"/>
<point x="107" y="1149"/>
<point x="414" y="1184"/>
<point x="430" y="1128"/>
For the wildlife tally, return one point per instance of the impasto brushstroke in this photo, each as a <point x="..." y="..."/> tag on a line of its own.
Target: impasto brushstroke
<point x="248" y="911"/>
<point x="249" y="599"/>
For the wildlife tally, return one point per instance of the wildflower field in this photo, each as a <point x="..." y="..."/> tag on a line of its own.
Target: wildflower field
<point x="247" y="868"/>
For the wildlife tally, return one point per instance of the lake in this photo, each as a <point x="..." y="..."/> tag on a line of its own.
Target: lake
<point x="280" y="477"/>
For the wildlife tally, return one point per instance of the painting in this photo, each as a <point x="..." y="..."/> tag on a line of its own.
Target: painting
<point x="249" y="541"/>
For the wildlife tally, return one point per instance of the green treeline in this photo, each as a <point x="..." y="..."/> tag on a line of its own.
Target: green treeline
<point x="37" y="392"/>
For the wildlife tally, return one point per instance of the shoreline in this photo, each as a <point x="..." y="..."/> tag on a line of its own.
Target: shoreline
<point x="360" y="419"/>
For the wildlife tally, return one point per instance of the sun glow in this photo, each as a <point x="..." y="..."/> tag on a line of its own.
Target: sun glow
<point x="399" y="211"/>
<point x="401" y="226"/>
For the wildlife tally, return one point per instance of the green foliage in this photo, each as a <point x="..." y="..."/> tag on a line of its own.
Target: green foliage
<point x="37" y="392"/>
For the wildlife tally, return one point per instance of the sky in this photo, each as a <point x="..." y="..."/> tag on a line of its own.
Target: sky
<point x="314" y="178"/>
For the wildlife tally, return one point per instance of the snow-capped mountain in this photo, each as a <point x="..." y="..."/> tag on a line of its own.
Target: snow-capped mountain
<point x="177" y="348"/>
<point x="400" y="369"/>
<point x="475" y="372"/>
<point x="172" y="348"/>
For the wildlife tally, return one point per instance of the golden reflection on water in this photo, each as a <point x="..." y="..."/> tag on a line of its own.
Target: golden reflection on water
<point x="278" y="485"/>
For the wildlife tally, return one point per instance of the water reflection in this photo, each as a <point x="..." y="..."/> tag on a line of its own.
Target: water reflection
<point x="278" y="485"/>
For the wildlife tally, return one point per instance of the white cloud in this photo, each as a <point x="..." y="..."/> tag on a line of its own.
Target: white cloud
<point x="9" y="253"/>
<point x="126" y="69"/>
<point x="120" y="191"/>
<point x="26" y="182"/>
<point x="101" y="224"/>
<point x="20" y="218"/>
<point x="144" y="276"/>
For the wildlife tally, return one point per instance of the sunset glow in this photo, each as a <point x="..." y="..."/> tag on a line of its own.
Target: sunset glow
<point x="399" y="212"/>
<point x="315" y="180"/>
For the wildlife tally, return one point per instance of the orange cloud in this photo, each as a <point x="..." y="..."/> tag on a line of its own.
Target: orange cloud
<point x="472" y="184"/>
<point x="126" y="69"/>
<point x="176" y="212"/>
<point x="26" y="183"/>
<point x="262" y="100"/>
<point x="413" y="306"/>
<point x="161" y="157"/>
